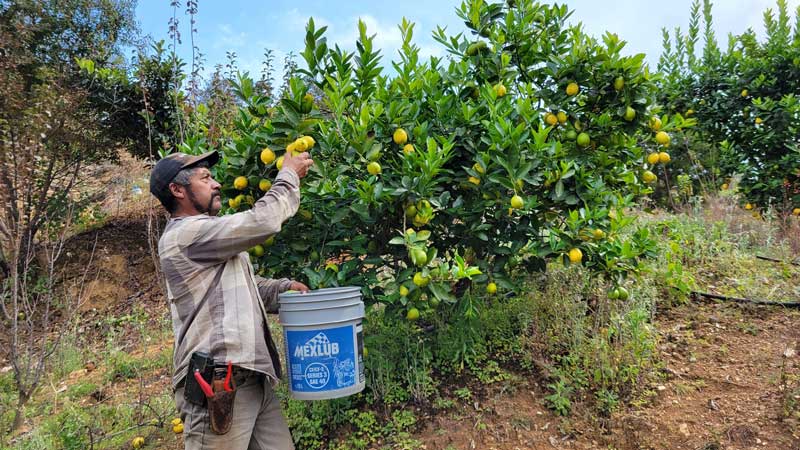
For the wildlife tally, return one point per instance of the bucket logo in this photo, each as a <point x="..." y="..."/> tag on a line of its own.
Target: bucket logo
<point x="316" y="347"/>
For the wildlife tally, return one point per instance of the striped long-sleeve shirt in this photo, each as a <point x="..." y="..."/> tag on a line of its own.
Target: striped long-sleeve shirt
<point x="218" y="304"/>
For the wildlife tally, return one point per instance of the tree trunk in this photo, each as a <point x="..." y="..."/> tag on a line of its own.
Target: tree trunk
<point x="19" y="412"/>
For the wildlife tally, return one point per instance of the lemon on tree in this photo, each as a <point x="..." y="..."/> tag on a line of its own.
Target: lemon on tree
<point x="264" y="185"/>
<point x="619" y="83"/>
<point x="655" y="123"/>
<point x="662" y="138"/>
<point x="400" y="136"/>
<point x="474" y="180"/>
<point x="583" y="139"/>
<point x="478" y="168"/>
<point x="550" y="119"/>
<point x="279" y="163"/>
<point x="408" y="149"/>
<point x="267" y="156"/>
<point x="572" y="89"/>
<point x="500" y="89"/>
<point x="562" y="117"/>
<point x="630" y="114"/>
<point x="491" y="288"/>
<point x="652" y="159"/>
<point x="412" y="314"/>
<point x="374" y="168"/>
<point x="598" y="233"/>
<point x="649" y="177"/>
<point x="517" y="202"/>
<point x="421" y="280"/>
<point x="575" y="256"/>
<point x="403" y="291"/>
<point x="664" y="158"/>
<point x="240" y="183"/>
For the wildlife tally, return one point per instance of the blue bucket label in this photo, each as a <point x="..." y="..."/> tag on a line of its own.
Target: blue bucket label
<point x="323" y="360"/>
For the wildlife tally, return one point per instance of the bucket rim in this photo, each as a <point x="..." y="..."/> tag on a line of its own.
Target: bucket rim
<point x="304" y="301"/>
<point x="323" y="291"/>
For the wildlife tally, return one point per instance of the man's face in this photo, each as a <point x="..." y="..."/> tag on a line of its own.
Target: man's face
<point x="203" y="192"/>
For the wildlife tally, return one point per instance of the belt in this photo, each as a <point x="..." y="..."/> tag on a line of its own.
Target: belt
<point x="239" y="376"/>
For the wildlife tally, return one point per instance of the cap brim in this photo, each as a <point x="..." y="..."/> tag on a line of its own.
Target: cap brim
<point x="211" y="158"/>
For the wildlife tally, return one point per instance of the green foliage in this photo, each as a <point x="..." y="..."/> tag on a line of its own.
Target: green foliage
<point x="745" y="101"/>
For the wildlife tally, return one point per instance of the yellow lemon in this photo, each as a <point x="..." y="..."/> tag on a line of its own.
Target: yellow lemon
<point x="652" y="159"/>
<point x="517" y="202"/>
<point x="309" y="141"/>
<point x="267" y="156"/>
<point x="408" y="149"/>
<point x="400" y="136"/>
<point x="177" y="421"/>
<point x="491" y="288"/>
<point x="572" y="89"/>
<point x="137" y="442"/>
<point x="500" y="90"/>
<point x="796" y="211"/>
<point x="412" y="314"/>
<point x="689" y="112"/>
<point x="233" y="203"/>
<point x="662" y="138"/>
<point x="279" y="164"/>
<point x="291" y="147"/>
<point x="655" y="123"/>
<point x="240" y="182"/>
<point x="630" y="114"/>
<point x="649" y="177"/>
<point x="562" y="117"/>
<point x="474" y="180"/>
<point x="748" y="206"/>
<point x="759" y="120"/>
<point x="258" y="250"/>
<point x="725" y="186"/>
<point x="420" y="279"/>
<point x="598" y="234"/>
<point x="575" y="256"/>
<point x="264" y="185"/>
<point x="403" y="291"/>
<point x="619" y="83"/>
<point x="744" y="92"/>
<point x="583" y="139"/>
<point x="177" y="429"/>
<point x="300" y="145"/>
<point x="270" y="241"/>
<point x="550" y="119"/>
<point x="664" y="158"/>
<point x="374" y="168"/>
<point x="478" y="168"/>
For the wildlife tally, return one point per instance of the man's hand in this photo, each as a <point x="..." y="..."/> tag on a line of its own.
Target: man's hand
<point x="299" y="163"/>
<point x="298" y="286"/>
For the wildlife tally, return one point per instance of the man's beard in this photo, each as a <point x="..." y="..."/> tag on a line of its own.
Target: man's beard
<point x="204" y="209"/>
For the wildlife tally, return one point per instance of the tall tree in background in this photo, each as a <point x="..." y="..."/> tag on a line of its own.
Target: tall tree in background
<point x="49" y="131"/>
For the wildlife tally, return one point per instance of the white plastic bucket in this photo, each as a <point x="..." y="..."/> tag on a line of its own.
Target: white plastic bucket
<point x="324" y="342"/>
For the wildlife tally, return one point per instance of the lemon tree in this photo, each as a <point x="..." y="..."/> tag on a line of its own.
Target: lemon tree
<point x="451" y="174"/>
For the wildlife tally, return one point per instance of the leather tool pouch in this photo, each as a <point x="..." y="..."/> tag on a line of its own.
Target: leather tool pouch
<point x="220" y="407"/>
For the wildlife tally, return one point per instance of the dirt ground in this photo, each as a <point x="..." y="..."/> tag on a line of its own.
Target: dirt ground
<point x="722" y="390"/>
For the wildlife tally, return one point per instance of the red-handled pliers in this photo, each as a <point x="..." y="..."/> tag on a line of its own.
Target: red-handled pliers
<point x="227" y="385"/>
<point x="204" y="386"/>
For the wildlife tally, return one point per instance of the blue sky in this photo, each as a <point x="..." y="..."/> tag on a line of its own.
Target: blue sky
<point x="248" y="27"/>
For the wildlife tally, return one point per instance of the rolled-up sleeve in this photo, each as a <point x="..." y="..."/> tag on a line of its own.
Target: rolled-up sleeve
<point x="213" y="240"/>
<point x="269" y="289"/>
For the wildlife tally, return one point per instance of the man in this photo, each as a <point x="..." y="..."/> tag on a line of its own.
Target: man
<point x="218" y="304"/>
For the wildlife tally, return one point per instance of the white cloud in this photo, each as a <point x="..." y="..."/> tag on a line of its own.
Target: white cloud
<point x="228" y="38"/>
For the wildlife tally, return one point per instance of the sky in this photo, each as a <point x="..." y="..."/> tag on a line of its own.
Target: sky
<point x="247" y="27"/>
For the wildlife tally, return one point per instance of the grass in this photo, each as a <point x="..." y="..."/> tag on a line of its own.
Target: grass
<point x="595" y="354"/>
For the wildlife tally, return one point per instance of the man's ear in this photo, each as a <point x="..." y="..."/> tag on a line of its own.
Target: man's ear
<point x="177" y="190"/>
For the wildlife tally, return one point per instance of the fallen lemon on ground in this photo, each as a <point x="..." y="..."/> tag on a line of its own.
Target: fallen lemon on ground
<point x="748" y="206"/>
<point x="796" y="211"/>
<point x="177" y="421"/>
<point x="137" y="442"/>
<point x="177" y="429"/>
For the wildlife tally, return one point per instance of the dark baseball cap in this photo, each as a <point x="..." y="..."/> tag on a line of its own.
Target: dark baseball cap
<point x="165" y="170"/>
